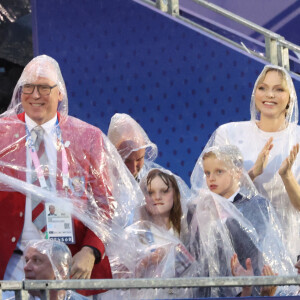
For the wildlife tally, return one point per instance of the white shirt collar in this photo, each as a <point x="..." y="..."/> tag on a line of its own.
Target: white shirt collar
<point x="231" y="199"/>
<point x="46" y="126"/>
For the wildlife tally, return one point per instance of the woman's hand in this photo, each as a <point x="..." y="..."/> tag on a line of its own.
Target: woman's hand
<point x="286" y="166"/>
<point x="238" y="270"/>
<point x="262" y="160"/>
<point x="290" y="183"/>
<point x="268" y="290"/>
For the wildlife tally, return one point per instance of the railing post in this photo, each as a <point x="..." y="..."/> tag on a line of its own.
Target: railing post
<point x="283" y="55"/>
<point x="173" y="7"/>
<point x="169" y="6"/>
<point x="45" y="294"/>
<point x="21" y="295"/>
<point x="271" y="50"/>
<point x="162" y="5"/>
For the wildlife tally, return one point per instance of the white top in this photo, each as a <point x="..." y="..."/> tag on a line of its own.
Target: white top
<point x="30" y="231"/>
<point x="250" y="140"/>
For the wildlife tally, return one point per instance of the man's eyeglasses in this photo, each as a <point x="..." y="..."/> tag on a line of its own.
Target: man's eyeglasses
<point x="43" y="90"/>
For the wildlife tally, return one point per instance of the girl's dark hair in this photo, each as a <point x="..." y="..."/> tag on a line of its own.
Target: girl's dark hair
<point x="170" y="181"/>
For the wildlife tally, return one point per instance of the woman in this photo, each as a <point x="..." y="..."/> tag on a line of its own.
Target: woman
<point x="265" y="142"/>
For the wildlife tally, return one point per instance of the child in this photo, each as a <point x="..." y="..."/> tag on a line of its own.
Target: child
<point x="222" y="169"/>
<point x="222" y="177"/>
<point x="152" y="242"/>
<point x="229" y="216"/>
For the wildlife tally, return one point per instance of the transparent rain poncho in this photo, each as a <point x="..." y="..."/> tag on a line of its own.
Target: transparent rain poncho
<point x="184" y="194"/>
<point x="244" y="223"/>
<point x="88" y="178"/>
<point x="128" y="137"/>
<point x="40" y="66"/>
<point x="58" y="254"/>
<point x="60" y="258"/>
<point x="251" y="139"/>
<point x="153" y="250"/>
<point x="292" y="112"/>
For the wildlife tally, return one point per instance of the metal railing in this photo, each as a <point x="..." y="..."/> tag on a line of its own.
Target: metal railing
<point x="276" y="47"/>
<point x="22" y="288"/>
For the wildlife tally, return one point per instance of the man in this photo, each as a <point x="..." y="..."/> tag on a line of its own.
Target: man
<point x="49" y="260"/>
<point x="41" y="145"/>
<point x="133" y="144"/>
<point x="52" y="210"/>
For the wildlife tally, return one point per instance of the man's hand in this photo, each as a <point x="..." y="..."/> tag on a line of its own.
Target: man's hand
<point x="238" y="270"/>
<point x="268" y="290"/>
<point x="286" y="166"/>
<point x="262" y="160"/>
<point x="82" y="264"/>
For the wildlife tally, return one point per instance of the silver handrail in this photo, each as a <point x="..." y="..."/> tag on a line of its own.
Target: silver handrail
<point x="23" y="287"/>
<point x="276" y="47"/>
<point x="148" y="283"/>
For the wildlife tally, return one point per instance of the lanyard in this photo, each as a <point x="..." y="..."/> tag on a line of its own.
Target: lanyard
<point x="36" y="161"/>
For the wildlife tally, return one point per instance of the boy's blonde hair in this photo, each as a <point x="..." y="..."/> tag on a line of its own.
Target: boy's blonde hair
<point x="229" y="154"/>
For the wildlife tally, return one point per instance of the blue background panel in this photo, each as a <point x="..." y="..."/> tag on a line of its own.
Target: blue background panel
<point x="120" y="56"/>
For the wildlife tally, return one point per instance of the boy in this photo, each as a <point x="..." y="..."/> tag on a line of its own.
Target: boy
<point x="225" y="176"/>
<point x="233" y="218"/>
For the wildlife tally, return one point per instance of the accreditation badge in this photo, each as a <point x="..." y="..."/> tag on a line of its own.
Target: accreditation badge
<point x="77" y="186"/>
<point x="59" y="224"/>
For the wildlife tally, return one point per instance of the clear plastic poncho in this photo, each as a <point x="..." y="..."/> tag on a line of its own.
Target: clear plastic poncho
<point x="243" y="222"/>
<point x="184" y="192"/>
<point x="58" y="254"/>
<point x="128" y="137"/>
<point x="292" y="112"/>
<point x="88" y="179"/>
<point x="60" y="258"/>
<point x="251" y="139"/>
<point x="153" y="250"/>
<point x="41" y="66"/>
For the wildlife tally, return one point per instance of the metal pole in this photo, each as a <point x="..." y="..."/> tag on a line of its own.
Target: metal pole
<point x="283" y="55"/>
<point x="168" y="6"/>
<point x="173" y="7"/>
<point x="21" y="295"/>
<point x="162" y="5"/>
<point x="45" y="294"/>
<point x="271" y="50"/>
<point x="160" y="282"/>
